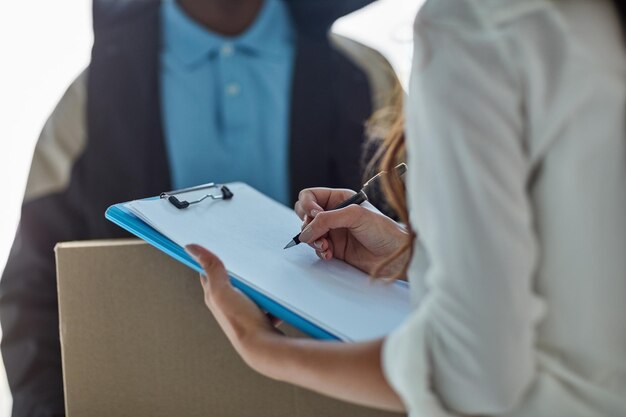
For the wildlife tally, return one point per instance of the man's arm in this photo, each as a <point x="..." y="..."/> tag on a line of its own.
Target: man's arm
<point x="28" y="296"/>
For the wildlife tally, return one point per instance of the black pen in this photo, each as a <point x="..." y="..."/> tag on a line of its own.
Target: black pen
<point x="358" y="198"/>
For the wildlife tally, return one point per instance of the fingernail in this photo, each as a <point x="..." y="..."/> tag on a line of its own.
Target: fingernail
<point x="306" y="234"/>
<point x="318" y="244"/>
<point x="314" y="212"/>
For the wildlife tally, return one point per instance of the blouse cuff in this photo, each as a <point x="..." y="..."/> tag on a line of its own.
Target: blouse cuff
<point x="407" y="368"/>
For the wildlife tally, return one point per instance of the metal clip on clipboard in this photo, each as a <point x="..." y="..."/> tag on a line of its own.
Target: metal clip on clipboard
<point x="224" y="194"/>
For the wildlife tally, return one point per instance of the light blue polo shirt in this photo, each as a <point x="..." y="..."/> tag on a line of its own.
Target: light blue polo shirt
<point x="226" y="100"/>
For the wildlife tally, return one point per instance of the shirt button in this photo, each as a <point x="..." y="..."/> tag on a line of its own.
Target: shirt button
<point x="233" y="89"/>
<point x="227" y="49"/>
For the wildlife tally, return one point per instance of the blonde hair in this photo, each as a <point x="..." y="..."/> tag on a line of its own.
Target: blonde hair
<point x="386" y="127"/>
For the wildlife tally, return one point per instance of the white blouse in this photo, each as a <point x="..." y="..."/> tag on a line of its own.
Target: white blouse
<point x="516" y="129"/>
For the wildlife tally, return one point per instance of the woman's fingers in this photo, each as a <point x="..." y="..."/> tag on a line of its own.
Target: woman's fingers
<point x="323" y="248"/>
<point x="215" y="275"/>
<point x="308" y="203"/>
<point x="325" y="255"/>
<point x="329" y="249"/>
<point x="233" y="310"/>
<point x="336" y="219"/>
<point x="300" y="211"/>
<point x="320" y="245"/>
<point x="305" y="222"/>
<point x="312" y="201"/>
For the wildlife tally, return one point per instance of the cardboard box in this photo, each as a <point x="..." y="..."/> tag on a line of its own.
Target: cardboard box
<point x="137" y="340"/>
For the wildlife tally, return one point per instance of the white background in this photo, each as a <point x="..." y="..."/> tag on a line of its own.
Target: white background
<point x="43" y="45"/>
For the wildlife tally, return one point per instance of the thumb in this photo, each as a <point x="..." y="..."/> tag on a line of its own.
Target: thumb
<point x="214" y="270"/>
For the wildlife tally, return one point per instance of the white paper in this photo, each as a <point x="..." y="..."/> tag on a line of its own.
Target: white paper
<point x="385" y="26"/>
<point x="249" y="232"/>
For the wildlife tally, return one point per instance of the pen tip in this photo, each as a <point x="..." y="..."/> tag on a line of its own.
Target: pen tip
<point x="290" y="244"/>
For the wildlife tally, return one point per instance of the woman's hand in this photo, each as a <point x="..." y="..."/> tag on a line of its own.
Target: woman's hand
<point x="245" y="325"/>
<point x="347" y="371"/>
<point x="358" y="235"/>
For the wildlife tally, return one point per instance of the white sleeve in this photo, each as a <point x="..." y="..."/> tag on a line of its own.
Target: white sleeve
<point x="468" y="347"/>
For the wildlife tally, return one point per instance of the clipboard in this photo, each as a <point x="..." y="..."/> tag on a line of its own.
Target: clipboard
<point x="123" y="217"/>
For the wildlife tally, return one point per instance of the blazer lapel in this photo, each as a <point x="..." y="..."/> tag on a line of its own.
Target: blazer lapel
<point x="126" y="156"/>
<point x="126" y="69"/>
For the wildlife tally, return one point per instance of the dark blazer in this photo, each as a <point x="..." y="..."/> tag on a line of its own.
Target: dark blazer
<point x="125" y="159"/>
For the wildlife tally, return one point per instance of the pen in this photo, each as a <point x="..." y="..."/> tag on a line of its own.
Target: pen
<point x="358" y="198"/>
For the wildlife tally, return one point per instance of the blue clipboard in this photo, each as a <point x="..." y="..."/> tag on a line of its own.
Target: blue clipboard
<point x="119" y="215"/>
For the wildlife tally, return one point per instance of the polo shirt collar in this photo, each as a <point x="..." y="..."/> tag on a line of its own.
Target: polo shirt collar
<point x="269" y="36"/>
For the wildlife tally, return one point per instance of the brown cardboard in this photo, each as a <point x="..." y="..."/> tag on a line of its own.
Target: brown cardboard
<point x="138" y="341"/>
